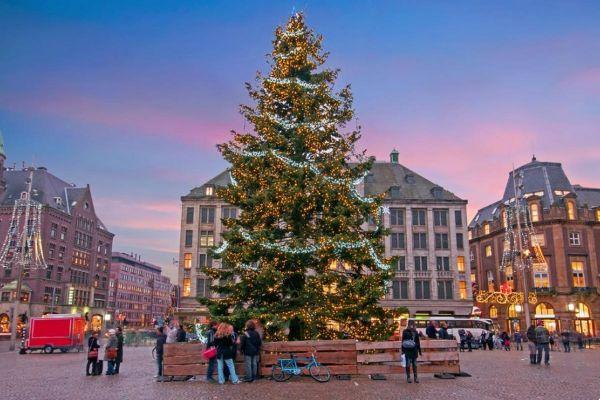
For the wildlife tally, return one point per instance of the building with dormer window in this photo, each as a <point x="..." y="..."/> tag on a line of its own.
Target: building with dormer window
<point x="566" y="220"/>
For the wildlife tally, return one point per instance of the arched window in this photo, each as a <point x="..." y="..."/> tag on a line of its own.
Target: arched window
<point x="544" y="309"/>
<point x="570" y="210"/>
<point x="512" y="311"/>
<point x="583" y="311"/>
<point x="534" y="212"/>
<point x="493" y="312"/>
<point x="486" y="229"/>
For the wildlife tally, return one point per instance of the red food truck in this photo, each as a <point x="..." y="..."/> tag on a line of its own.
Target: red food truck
<point x="55" y="331"/>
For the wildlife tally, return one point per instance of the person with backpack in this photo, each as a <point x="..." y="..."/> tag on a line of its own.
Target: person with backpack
<point x="542" y="340"/>
<point x="469" y="340"/>
<point x="92" y="358"/>
<point x="250" y="344"/>
<point x="411" y="348"/>
<point x="531" y="344"/>
<point x="226" y="350"/>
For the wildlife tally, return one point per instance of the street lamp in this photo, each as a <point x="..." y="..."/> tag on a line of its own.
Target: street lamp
<point x="518" y="308"/>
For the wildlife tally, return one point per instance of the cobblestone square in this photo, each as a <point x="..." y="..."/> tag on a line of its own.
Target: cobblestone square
<point x="495" y="375"/>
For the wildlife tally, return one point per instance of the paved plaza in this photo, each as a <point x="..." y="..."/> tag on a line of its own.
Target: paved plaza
<point x="496" y="375"/>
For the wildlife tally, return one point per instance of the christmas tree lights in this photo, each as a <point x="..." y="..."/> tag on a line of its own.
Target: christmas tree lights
<point x="300" y="210"/>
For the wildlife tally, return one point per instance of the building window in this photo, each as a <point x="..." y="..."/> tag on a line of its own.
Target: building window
<point x="187" y="260"/>
<point x="543" y="310"/>
<point x="209" y="191"/>
<point x="460" y="243"/>
<point x="540" y="275"/>
<point x="570" y="210"/>
<point x="5" y="298"/>
<point x="189" y="238"/>
<point x="189" y="215"/>
<point x="462" y="289"/>
<point x="204" y="260"/>
<point x="574" y="239"/>
<point x="418" y="217"/>
<point x="49" y="272"/>
<point x="577" y="271"/>
<point x="421" y="263"/>
<point x="598" y="214"/>
<point x="442" y="263"/>
<point x="203" y="287"/>
<point x="460" y="263"/>
<point x="458" y="218"/>
<point x="51" y="250"/>
<point x="229" y="212"/>
<point x="486" y="229"/>
<point x="444" y="290"/>
<point x="490" y="281"/>
<point x="493" y="312"/>
<point x="422" y="290"/>
<point x="63" y="233"/>
<point x="207" y="238"/>
<point x="401" y="263"/>
<point x="440" y="217"/>
<point x="397" y="240"/>
<point x="207" y="215"/>
<point x="534" y="211"/>
<point x="59" y="272"/>
<point x="400" y="289"/>
<point x="396" y="216"/>
<point x="441" y="241"/>
<point x="504" y="220"/>
<point x="420" y="240"/>
<point x="488" y="250"/>
<point x="539" y="239"/>
<point x="187" y="289"/>
<point x="53" y="230"/>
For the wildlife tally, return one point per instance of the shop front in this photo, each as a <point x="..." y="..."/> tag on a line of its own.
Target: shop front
<point x="544" y="312"/>
<point x="583" y="320"/>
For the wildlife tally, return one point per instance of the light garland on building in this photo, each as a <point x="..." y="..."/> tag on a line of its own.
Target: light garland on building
<point x="505" y="298"/>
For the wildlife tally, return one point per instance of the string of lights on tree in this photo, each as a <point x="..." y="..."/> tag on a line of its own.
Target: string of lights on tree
<point x="297" y="257"/>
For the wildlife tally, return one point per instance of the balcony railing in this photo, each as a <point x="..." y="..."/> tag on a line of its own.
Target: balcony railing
<point x="584" y="290"/>
<point x="445" y="274"/>
<point x="422" y="274"/>
<point x="544" y="291"/>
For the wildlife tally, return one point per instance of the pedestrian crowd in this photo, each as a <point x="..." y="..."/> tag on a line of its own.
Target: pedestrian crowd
<point x="112" y="353"/>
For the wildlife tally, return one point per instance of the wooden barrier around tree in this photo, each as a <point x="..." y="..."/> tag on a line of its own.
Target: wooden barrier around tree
<point x="341" y="356"/>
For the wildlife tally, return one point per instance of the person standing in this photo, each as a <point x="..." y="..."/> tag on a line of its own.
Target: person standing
<point x="519" y="340"/>
<point x="161" y="339"/>
<point x="566" y="341"/>
<point x="250" y="344"/>
<point x="463" y="339"/>
<point x="92" y="357"/>
<point x="181" y="334"/>
<point x="531" y="344"/>
<point x="483" y="340"/>
<point x="411" y="348"/>
<point x="226" y="349"/>
<point x="210" y="342"/>
<point x="490" y="340"/>
<point x="119" y="358"/>
<point x="430" y="331"/>
<point x="469" y="340"/>
<point x="111" y="351"/>
<point x="542" y="340"/>
<point x="443" y="332"/>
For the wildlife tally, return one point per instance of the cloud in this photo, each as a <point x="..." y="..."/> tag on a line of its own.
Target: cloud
<point x="140" y="215"/>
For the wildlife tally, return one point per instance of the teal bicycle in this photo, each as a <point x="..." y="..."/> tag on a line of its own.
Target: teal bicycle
<point x="287" y="367"/>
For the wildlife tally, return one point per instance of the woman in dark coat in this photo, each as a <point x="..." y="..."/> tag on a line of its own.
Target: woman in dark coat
<point x="411" y="348"/>
<point x="93" y="347"/>
<point x="119" y="358"/>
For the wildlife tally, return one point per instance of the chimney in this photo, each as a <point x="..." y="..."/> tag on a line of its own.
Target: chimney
<point x="394" y="156"/>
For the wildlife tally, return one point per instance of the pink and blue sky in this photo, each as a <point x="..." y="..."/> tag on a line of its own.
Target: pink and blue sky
<point x="132" y="96"/>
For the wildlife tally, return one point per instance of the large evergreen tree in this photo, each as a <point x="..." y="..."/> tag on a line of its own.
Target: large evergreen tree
<point x="297" y="258"/>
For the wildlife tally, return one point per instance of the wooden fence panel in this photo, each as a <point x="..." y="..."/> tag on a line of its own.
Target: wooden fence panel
<point x="341" y="356"/>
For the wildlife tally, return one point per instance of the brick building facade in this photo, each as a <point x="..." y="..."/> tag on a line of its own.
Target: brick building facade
<point x="138" y="292"/>
<point x="428" y="234"/>
<point x="566" y="219"/>
<point x="76" y="246"/>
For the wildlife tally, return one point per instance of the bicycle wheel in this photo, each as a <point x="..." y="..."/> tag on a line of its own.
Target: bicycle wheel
<point x="319" y="372"/>
<point x="279" y="375"/>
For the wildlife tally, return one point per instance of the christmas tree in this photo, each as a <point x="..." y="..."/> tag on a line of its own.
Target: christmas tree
<point x="298" y="258"/>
